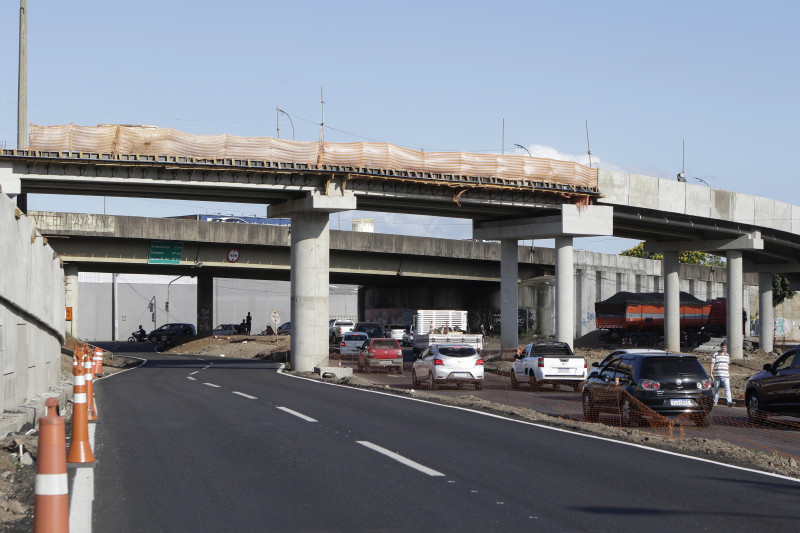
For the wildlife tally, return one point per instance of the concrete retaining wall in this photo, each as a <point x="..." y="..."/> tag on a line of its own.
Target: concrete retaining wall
<point x="31" y="310"/>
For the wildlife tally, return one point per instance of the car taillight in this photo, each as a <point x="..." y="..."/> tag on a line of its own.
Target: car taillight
<point x="650" y="384"/>
<point x="342" y="343"/>
<point x="479" y="362"/>
<point x="438" y="362"/>
<point x="541" y="362"/>
<point x="584" y="364"/>
<point x="706" y="384"/>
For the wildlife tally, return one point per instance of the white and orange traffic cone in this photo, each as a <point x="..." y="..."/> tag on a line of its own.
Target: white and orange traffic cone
<point x="51" y="505"/>
<point x="80" y="451"/>
<point x="88" y="374"/>
<point x="97" y="370"/>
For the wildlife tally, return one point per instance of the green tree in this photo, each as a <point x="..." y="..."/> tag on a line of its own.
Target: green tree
<point x="689" y="258"/>
<point x="780" y="289"/>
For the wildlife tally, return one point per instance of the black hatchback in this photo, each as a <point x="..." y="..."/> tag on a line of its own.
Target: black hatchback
<point x="776" y="389"/>
<point x="634" y="385"/>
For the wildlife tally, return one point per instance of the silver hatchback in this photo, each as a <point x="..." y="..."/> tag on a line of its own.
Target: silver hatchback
<point x="441" y="364"/>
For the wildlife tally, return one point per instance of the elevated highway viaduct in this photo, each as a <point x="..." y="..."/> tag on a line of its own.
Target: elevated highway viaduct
<point x="755" y="234"/>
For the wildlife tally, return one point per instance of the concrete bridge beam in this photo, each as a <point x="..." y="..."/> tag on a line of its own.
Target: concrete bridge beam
<point x="509" y="273"/>
<point x="309" y="285"/>
<point x="672" y="302"/>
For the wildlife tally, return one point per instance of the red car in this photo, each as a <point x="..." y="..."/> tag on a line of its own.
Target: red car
<point x="381" y="353"/>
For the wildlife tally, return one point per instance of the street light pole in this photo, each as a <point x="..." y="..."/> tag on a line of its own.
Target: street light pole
<point x="704" y="181"/>
<point x="279" y="110"/>
<point x="166" y="305"/>
<point x="520" y="146"/>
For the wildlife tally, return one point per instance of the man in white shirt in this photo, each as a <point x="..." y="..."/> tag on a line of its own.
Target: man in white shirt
<point x="720" y="374"/>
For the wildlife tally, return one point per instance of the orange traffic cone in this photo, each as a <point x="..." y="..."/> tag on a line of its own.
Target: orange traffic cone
<point x="98" y="362"/>
<point x="88" y="374"/>
<point x="80" y="451"/>
<point x="51" y="506"/>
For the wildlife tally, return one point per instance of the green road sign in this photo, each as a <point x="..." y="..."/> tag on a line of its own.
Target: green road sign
<point x="165" y="253"/>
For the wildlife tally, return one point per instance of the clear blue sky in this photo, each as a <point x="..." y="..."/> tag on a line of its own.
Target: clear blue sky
<point x="433" y="75"/>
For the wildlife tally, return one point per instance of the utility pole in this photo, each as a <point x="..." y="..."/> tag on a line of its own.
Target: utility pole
<point x="22" y="92"/>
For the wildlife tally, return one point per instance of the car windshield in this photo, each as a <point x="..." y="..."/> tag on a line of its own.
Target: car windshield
<point x="385" y="344"/>
<point x="674" y="366"/>
<point x="457" y="351"/>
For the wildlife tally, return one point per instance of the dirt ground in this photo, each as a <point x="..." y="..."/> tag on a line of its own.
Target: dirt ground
<point x="17" y="472"/>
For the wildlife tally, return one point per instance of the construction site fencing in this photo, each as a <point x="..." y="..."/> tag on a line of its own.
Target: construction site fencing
<point x="146" y="140"/>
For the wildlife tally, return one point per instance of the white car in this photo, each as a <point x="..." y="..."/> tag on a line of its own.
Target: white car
<point x="352" y="342"/>
<point x="225" y="329"/>
<point x="394" y="331"/>
<point x="441" y="364"/>
<point x="548" y="362"/>
<point x="408" y="337"/>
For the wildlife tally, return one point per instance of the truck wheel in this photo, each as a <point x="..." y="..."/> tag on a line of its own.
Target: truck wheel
<point x="534" y="383"/>
<point x="478" y="386"/>
<point x="431" y="382"/>
<point x="514" y="381"/>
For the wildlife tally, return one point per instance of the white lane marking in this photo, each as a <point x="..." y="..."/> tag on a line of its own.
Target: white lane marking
<point x="245" y="395"/>
<point x="295" y="413"/>
<point x="399" y="458"/>
<point x="190" y="377"/>
<point x="82" y="497"/>
<point x="195" y="372"/>
<point x="211" y="384"/>
<point x="551" y="428"/>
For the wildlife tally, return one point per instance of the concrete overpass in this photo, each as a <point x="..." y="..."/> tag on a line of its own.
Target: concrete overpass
<point x="755" y="234"/>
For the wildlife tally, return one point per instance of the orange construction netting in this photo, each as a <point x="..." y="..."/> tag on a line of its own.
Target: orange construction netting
<point x="119" y="139"/>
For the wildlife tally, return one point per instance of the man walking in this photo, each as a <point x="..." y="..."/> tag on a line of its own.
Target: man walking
<point x="720" y="374"/>
<point x="249" y="322"/>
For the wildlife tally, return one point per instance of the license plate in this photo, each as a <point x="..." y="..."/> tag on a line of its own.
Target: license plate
<point x="564" y="371"/>
<point x="681" y="403"/>
<point x="461" y="375"/>
<point x="386" y="363"/>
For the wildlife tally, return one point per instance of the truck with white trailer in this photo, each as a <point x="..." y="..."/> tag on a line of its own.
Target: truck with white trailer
<point x="437" y="326"/>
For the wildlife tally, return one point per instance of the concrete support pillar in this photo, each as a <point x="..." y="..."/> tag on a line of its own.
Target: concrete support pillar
<point x="565" y="301"/>
<point x="672" y="302"/>
<point x="734" y="290"/>
<point x="310" y="242"/>
<point x="509" y="272"/>
<point x="205" y="305"/>
<point x="71" y="300"/>
<point x="766" y="314"/>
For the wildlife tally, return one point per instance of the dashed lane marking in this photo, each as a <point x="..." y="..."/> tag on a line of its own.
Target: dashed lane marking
<point x="295" y="413"/>
<point x="399" y="458"/>
<point x="211" y="385"/>
<point x="245" y="395"/>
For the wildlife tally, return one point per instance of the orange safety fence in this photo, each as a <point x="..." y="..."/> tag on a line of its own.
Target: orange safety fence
<point x="146" y="140"/>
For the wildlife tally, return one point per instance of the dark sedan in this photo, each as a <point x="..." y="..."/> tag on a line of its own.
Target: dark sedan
<point x="776" y="389"/>
<point x="634" y="385"/>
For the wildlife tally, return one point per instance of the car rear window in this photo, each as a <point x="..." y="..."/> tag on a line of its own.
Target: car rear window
<point x="385" y="344"/>
<point x="355" y="336"/>
<point x="551" y="349"/>
<point x="653" y="367"/>
<point x="343" y="323"/>
<point x="457" y="351"/>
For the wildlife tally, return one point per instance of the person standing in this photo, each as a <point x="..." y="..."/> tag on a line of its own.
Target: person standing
<point x="249" y="321"/>
<point x="720" y="362"/>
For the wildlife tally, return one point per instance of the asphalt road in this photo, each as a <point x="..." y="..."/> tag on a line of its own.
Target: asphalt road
<point x="184" y="445"/>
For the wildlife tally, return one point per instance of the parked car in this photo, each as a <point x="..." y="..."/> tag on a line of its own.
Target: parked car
<point x="285" y="328"/>
<point x="225" y="329"/>
<point x="370" y="328"/>
<point x="394" y="331"/>
<point x="440" y="364"/>
<point x="548" y="362"/>
<point x="171" y="330"/>
<point x="634" y="384"/>
<point x="337" y="328"/>
<point x="380" y="353"/>
<point x="352" y="342"/>
<point x="408" y="336"/>
<point x="595" y="366"/>
<point x="776" y="389"/>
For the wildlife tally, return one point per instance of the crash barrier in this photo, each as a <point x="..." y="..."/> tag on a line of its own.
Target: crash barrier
<point x="80" y="451"/>
<point x="772" y="436"/>
<point x="115" y="139"/>
<point x="51" y="503"/>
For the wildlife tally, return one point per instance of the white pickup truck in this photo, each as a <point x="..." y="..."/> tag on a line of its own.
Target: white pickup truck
<point x="443" y="326"/>
<point x="551" y="363"/>
<point x="338" y="328"/>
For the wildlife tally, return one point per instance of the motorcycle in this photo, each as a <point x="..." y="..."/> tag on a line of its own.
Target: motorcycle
<point x="138" y="336"/>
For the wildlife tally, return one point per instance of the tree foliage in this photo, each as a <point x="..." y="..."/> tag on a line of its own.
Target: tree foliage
<point x="689" y="258"/>
<point x="780" y="289"/>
